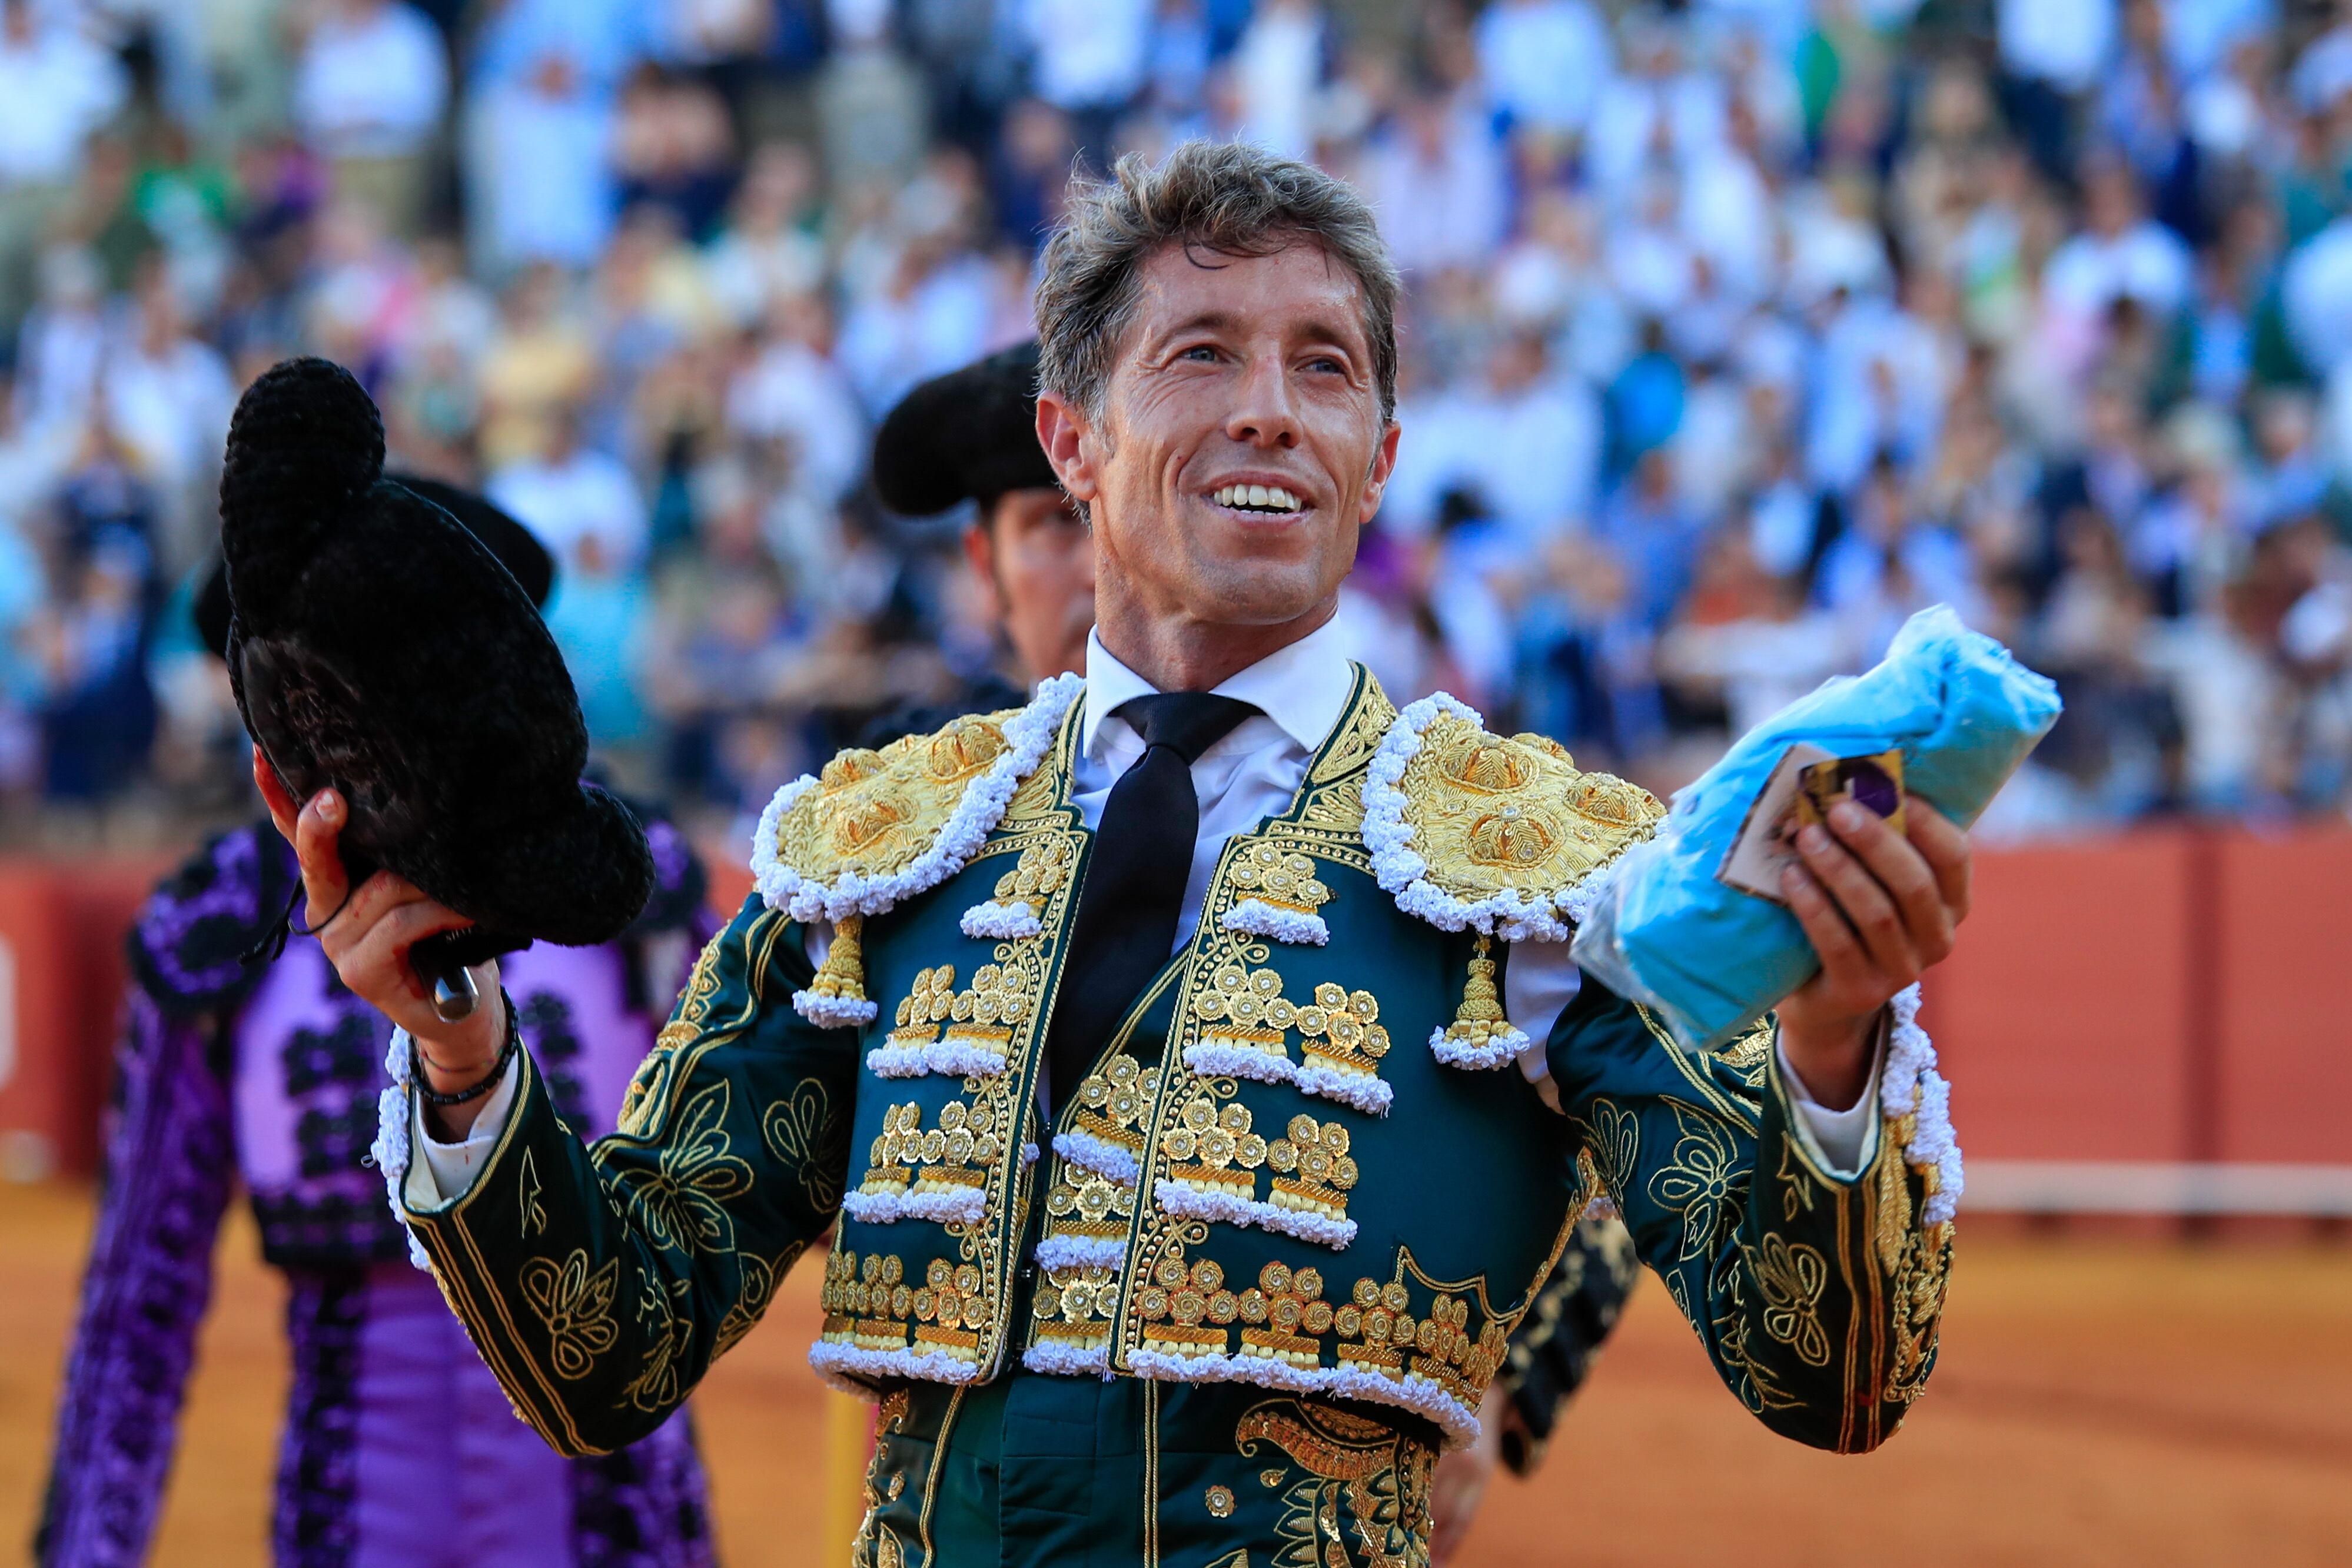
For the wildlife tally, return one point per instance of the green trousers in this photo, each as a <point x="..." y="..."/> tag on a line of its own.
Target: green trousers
<point x="1076" y="1472"/>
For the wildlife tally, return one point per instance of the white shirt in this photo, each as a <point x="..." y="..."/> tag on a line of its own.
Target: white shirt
<point x="55" y="87"/>
<point x="374" y="87"/>
<point x="1301" y="693"/>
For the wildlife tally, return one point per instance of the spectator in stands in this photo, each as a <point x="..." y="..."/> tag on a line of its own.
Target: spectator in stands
<point x="369" y="93"/>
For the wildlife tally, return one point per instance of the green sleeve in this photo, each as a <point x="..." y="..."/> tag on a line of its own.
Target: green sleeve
<point x="1817" y="1295"/>
<point x="600" y="1283"/>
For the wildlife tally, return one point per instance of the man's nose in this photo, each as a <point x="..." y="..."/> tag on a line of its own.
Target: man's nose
<point x="1264" y="412"/>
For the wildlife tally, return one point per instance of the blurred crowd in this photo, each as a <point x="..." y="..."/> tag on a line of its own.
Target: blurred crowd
<point x="1736" y="330"/>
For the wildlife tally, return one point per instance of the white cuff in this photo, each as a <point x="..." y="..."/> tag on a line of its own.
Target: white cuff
<point x="1842" y="1142"/>
<point x="444" y="1171"/>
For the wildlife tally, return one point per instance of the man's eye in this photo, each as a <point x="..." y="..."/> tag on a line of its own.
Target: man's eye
<point x="1202" y="352"/>
<point x="1325" y="363"/>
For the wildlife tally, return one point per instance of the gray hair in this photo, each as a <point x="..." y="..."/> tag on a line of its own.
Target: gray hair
<point x="1227" y="198"/>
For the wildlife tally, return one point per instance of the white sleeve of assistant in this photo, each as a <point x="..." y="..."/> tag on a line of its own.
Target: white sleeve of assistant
<point x="1842" y="1142"/>
<point x="441" y="1172"/>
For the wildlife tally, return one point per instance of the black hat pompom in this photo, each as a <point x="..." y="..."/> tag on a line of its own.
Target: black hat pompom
<point x="377" y="646"/>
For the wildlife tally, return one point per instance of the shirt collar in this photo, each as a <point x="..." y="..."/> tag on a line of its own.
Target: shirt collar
<point x="1303" y="688"/>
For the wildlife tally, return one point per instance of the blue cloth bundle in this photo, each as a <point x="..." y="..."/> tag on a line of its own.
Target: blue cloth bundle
<point x="1710" y="959"/>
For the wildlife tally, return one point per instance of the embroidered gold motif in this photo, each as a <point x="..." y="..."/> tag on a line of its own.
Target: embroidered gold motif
<point x="1220" y="1501"/>
<point x="752" y="1296"/>
<point x="1699" y="1183"/>
<point x="1045" y="868"/>
<point x="1917" y="1291"/>
<point x="534" y="1213"/>
<point x="1340" y="1029"/>
<point x="682" y="1199"/>
<point x="982" y="1017"/>
<point x="1792" y="1277"/>
<point x="1286" y="880"/>
<point x="1490" y="815"/>
<point x="1213" y="1146"/>
<point x="1377" y="1476"/>
<point x="576" y="1309"/>
<point x="953" y="1155"/>
<point x="874" y="813"/>
<point x="870" y="1302"/>
<point x="1314" y="1169"/>
<point x="668" y="1336"/>
<point x="638" y="1102"/>
<point x="808" y="1142"/>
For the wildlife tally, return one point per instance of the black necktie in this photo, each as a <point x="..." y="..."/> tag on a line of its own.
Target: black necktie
<point x="1134" y="888"/>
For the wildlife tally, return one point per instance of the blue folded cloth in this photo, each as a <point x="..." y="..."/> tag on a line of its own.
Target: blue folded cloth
<point x="1710" y="959"/>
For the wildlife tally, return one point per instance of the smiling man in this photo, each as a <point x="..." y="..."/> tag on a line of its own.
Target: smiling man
<point x="1191" y="1058"/>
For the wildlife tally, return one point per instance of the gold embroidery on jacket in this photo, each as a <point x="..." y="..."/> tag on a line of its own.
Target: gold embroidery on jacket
<point x="1699" y="1182"/>
<point x="875" y="813"/>
<point x="682" y="1200"/>
<point x="1792" y="1277"/>
<point x="954" y="1156"/>
<point x="871" y="1303"/>
<point x="1357" y="1471"/>
<point x="809" y="1142"/>
<point x="575" y="1307"/>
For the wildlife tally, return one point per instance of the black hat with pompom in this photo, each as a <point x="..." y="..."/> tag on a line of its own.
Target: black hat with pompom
<point x="378" y="648"/>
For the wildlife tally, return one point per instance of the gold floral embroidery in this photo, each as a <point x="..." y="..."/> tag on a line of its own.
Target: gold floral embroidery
<point x="668" y="1335"/>
<point x="752" y="1296"/>
<point x="682" y="1200"/>
<point x="1918" y="1290"/>
<point x="809" y="1143"/>
<point x="639" y="1101"/>
<point x="1615" y="1142"/>
<point x="1792" y="1277"/>
<point x="958" y="1153"/>
<point x="1314" y="1169"/>
<point x="871" y="1302"/>
<point x="1045" y="868"/>
<point x="1340" y="1029"/>
<point x="576" y="1309"/>
<point x="984" y="1014"/>
<point x="1285" y="879"/>
<point x="1377" y="1476"/>
<point x="1699" y="1182"/>
<point x="1220" y="1502"/>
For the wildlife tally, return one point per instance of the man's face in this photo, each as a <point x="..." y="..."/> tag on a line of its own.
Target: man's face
<point x="1038" y="562"/>
<point x="1241" y="447"/>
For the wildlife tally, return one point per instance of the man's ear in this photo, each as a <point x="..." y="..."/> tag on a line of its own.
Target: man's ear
<point x="980" y="552"/>
<point x="1067" y="439"/>
<point x="1383" y="464"/>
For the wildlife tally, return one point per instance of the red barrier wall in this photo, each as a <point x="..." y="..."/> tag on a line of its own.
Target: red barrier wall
<point x="2169" y="996"/>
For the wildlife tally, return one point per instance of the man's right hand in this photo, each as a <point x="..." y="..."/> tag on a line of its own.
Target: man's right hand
<point x="367" y="940"/>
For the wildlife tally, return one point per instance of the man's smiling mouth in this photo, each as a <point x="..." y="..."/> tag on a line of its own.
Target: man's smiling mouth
<point x="1271" y="499"/>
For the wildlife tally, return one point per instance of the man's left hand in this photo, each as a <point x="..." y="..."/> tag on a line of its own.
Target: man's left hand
<point x="1881" y="909"/>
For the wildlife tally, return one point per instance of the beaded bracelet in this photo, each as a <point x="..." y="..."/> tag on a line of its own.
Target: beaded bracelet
<point x="489" y="1079"/>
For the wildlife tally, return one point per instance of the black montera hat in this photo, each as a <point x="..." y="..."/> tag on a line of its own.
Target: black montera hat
<point x="970" y="435"/>
<point x="517" y="548"/>
<point x="379" y="646"/>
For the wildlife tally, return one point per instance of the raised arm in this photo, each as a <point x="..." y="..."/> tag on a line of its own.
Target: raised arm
<point x="1816" y="1286"/>
<point x="599" y="1284"/>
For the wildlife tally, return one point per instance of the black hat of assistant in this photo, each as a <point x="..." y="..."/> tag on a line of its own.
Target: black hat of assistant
<point x="379" y="646"/>
<point x="970" y="435"/>
<point x="517" y="548"/>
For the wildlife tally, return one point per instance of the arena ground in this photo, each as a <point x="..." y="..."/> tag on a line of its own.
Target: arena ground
<point x="2100" y="1401"/>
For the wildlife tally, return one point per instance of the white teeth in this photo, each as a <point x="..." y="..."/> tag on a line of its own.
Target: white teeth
<point x="1264" y="497"/>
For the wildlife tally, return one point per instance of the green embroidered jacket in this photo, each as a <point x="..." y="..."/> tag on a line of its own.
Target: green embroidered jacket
<point x="1308" y="1161"/>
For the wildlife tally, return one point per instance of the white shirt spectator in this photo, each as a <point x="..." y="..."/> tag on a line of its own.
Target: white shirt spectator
<point x="372" y="80"/>
<point x="894" y="338"/>
<point x="2315" y="291"/>
<point x="1277" y="69"/>
<point x="55" y="87"/>
<point x="1437" y="181"/>
<point x="1632" y="113"/>
<point x="1542" y="61"/>
<point x="793" y="393"/>
<point x="571" y="495"/>
<point x="171" y="403"/>
<point x="2146" y="263"/>
<point x="1090" y="54"/>
<point x="2066" y="43"/>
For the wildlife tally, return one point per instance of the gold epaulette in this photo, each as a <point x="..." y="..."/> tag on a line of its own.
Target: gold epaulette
<point x="1471" y="830"/>
<point x="877" y="827"/>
